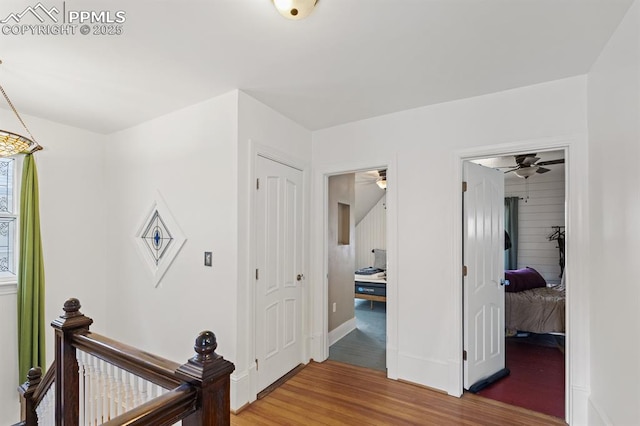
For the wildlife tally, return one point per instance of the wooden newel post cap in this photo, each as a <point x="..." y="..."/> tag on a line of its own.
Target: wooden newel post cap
<point x="206" y="346"/>
<point x="33" y="380"/>
<point x="72" y="318"/>
<point x="206" y="365"/>
<point x="34" y="374"/>
<point x="71" y="308"/>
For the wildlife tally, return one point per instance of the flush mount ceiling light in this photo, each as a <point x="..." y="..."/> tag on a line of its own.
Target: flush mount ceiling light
<point x="13" y="143"/>
<point x="295" y="9"/>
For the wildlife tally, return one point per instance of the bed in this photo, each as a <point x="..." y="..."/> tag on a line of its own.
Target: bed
<point x="372" y="289"/>
<point x="371" y="282"/>
<point x="531" y="305"/>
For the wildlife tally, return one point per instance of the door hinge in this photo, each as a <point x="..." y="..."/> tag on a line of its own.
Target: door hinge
<point x="464" y="356"/>
<point x="257" y="275"/>
<point x="256" y="364"/>
<point x="464" y="270"/>
<point x="258" y="183"/>
<point x="464" y="186"/>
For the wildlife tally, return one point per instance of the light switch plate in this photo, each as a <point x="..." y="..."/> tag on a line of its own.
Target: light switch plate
<point x="208" y="258"/>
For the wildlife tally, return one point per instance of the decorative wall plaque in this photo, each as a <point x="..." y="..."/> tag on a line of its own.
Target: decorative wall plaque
<point x="159" y="239"/>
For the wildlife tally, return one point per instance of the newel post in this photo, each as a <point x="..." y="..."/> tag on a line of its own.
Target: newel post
<point x="26" y="390"/>
<point x="210" y="373"/>
<point x="67" y="380"/>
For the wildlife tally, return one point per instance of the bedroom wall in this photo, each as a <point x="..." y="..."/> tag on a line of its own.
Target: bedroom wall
<point x="536" y="215"/>
<point x="614" y="149"/>
<point x="421" y="204"/>
<point x="72" y="214"/>
<point x="342" y="256"/>
<point x="371" y="233"/>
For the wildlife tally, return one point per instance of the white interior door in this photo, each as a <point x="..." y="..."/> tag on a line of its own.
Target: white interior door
<point x="483" y="290"/>
<point x="278" y="274"/>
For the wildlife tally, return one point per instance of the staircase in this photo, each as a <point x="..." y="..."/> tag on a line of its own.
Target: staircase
<point x="95" y="380"/>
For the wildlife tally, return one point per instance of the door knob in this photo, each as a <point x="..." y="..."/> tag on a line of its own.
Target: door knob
<point x="504" y="282"/>
<point x="299" y="277"/>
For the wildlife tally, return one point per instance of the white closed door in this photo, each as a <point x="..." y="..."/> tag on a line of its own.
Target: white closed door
<point x="278" y="274"/>
<point x="483" y="290"/>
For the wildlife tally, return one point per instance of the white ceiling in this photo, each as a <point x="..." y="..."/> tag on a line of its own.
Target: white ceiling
<point x="351" y="59"/>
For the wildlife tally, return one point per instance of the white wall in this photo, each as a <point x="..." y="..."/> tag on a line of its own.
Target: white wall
<point x="543" y="209"/>
<point x="371" y="233"/>
<point x="614" y="149"/>
<point x="189" y="157"/>
<point x="424" y="200"/>
<point x="72" y="214"/>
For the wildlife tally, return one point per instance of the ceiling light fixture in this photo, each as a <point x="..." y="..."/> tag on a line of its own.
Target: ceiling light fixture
<point x="295" y="9"/>
<point x="526" y="172"/>
<point x="13" y="143"/>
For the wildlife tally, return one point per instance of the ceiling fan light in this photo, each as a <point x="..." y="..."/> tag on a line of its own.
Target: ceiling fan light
<point x="382" y="183"/>
<point x="295" y="9"/>
<point x="526" y="172"/>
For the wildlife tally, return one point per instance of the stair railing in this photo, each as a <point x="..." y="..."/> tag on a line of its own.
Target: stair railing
<point x="95" y="380"/>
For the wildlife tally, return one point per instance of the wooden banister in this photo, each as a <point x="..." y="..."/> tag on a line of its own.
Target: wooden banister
<point x="166" y="409"/>
<point x="198" y="390"/>
<point x="45" y="383"/>
<point x="27" y="391"/>
<point x="67" y="382"/>
<point x="143" y="364"/>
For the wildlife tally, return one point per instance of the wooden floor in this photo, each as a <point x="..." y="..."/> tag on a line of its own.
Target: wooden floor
<point x="332" y="393"/>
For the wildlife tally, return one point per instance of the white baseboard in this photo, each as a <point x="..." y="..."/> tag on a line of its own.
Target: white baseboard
<point x="317" y="347"/>
<point x="240" y="390"/>
<point x="596" y="416"/>
<point x="423" y="371"/>
<point x="342" y="330"/>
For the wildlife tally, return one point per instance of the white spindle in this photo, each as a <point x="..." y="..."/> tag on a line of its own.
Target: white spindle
<point x="46" y="409"/>
<point x="106" y="391"/>
<point x="81" y="388"/>
<point x="112" y="391"/>
<point x="95" y="391"/>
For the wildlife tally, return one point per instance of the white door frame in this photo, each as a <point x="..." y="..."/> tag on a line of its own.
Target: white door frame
<point x="320" y="263"/>
<point x="577" y="229"/>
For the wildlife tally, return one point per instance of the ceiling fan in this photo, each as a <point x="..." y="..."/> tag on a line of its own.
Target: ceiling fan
<point x="379" y="177"/>
<point x="527" y="165"/>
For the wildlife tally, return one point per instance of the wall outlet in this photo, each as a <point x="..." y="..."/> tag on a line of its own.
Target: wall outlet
<point x="208" y="258"/>
<point x="334" y="306"/>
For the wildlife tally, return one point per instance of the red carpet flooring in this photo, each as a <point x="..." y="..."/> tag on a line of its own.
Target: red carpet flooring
<point x="536" y="381"/>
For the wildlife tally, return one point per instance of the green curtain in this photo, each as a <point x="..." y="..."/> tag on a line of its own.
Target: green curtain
<point x="31" y="331"/>
<point x="511" y="227"/>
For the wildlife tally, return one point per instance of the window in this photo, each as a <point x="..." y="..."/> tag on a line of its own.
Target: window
<point x="8" y="220"/>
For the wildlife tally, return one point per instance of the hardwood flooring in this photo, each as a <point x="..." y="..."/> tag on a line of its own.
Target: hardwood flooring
<point x="332" y="393"/>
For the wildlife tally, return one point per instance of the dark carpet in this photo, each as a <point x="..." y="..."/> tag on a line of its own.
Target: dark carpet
<point x="366" y="345"/>
<point x="537" y="369"/>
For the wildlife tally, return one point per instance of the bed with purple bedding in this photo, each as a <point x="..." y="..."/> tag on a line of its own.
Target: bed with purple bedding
<point x="531" y="305"/>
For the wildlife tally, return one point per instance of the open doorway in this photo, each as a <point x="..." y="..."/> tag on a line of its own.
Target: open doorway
<point x="534" y="297"/>
<point x="356" y="253"/>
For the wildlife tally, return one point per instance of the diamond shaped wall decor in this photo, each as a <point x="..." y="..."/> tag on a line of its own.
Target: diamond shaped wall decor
<point x="159" y="239"/>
